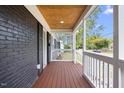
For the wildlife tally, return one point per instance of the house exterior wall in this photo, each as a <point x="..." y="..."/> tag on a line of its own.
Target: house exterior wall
<point x="18" y="47"/>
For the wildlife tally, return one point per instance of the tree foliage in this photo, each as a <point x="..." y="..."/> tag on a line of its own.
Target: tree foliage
<point x="79" y="40"/>
<point x="94" y="40"/>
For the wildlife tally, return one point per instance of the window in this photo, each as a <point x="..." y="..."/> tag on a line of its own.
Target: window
<point x="99" y="30"/>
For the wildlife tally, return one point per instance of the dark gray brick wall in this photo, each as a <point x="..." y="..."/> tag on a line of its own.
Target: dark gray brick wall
<point x="18" y="47"/>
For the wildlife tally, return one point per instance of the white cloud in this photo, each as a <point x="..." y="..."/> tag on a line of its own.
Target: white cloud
<point x="109" y="10"/>
<point x="97" y="25"/>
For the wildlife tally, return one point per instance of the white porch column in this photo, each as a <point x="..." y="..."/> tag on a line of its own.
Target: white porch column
<point x="74" y="46"/>
<point x="84" y="45"/>
<point x="121" y="43"/>
<point x="115" y="48"/>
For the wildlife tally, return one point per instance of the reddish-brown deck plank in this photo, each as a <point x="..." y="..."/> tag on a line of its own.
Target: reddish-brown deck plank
<point x="62" y="75"/>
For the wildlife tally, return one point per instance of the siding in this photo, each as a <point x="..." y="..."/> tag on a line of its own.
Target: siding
<point x="18" y="47"/>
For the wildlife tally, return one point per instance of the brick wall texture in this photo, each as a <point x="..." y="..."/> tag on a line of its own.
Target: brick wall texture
<point x="18" y="47"/>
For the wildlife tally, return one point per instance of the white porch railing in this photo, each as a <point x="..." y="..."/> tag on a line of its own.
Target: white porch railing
<point x="98" y="69"/>
<point x="79" y="56"/>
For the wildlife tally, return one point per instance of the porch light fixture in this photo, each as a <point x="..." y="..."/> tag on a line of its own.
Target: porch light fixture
<point x="61" y="22"/>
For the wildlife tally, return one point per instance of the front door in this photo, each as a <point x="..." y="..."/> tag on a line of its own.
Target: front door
<point x="48" y="48"/>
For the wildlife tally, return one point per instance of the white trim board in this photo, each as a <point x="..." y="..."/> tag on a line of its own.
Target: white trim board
<point x="61" y="60"/>
<point x="89" y="81"/>
<point x="61" y="30"/>
<point x="37" y="14"/>
<point x="80" y="20"/>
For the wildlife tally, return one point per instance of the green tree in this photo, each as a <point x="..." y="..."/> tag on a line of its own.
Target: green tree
<point x="79" y="40"/>
<point x="98" y="43"/>
<point x="94" y="40"/>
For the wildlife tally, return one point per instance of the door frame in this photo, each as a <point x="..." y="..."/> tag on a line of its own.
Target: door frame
<point x="38" y="48"/>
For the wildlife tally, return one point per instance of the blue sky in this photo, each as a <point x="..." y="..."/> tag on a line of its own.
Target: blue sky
<point x="106" y="19"/>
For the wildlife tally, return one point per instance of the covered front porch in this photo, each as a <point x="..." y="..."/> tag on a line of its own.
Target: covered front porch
<point x="102" y="56"/>
<point x="41" y="48"/>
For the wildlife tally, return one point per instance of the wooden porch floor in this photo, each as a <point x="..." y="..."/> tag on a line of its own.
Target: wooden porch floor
<point x="62" y="75"/>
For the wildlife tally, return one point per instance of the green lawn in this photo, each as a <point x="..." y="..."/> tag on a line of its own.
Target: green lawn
<point x="67" y="55"/>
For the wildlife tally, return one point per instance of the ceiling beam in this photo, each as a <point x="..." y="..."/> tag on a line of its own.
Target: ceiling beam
<point x="61" y="30"/>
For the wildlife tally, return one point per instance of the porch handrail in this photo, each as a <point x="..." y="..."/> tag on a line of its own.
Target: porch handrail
<point x="105" y="58"/>
<point x="98" y="69"/>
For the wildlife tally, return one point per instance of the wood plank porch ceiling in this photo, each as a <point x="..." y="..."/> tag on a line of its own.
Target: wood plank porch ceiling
<point x="62" y="75"/>
<point x="56" y="13"/>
